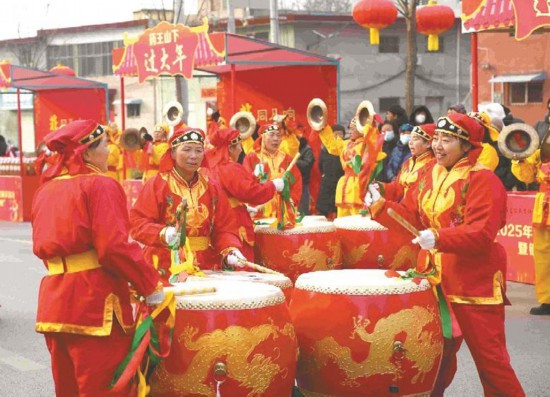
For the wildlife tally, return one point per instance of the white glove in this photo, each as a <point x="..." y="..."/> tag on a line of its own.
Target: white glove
<point x="235" y="258"/>
<point x="171" y="235"/>
<point x="373" y="194"/>
<point x="258" y="169"/>
<point x="251" y="210"/>
<point x="279" y="184"/>
<point x="426" y="240"/>
<point x="155" y="298"/>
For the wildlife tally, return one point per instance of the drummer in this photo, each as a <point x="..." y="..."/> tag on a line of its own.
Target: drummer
<point x="459" y="207"/>
<point x="240" y="186"/>
<point x="420" y="162"/>
<point x="267" y="162"/>
<point x="209" y="224"/>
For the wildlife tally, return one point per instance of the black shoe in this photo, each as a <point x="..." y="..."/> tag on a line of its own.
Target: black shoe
<point x="542" y="310"/>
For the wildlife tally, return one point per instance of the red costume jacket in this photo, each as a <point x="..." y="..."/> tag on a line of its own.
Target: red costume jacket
<point x="210" y="225"/>
<point x="81" y="222"/>
<point x="467" y="207"/>
<point x="242" y="187"/>
<point x="411" y="172"/>
<point x="275" y="166"/>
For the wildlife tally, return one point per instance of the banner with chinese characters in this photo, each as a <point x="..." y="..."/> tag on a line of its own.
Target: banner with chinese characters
<point x="271" y="91"/>
<point x="166" y="49"/>
<point x="517" y="237"/>
<point x="11" y="199"/>
<point x="56" y="108"/>
<point x="531" y="15"/>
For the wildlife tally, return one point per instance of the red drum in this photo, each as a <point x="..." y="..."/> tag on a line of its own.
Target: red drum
<point x="238" y="341"/>
<point x="305" y="248"/>
<point x="366" y="244"/>
<point x="363" y="334"/>
<point x="278" y="280"/>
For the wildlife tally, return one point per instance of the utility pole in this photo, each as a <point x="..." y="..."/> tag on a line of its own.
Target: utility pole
<point x="230" y="17"/>
<point x="273" y="21"/>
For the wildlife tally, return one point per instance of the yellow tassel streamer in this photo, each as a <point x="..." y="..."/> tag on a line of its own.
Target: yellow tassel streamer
<point x="433" y="42"/>
<point x="374" y="36"/>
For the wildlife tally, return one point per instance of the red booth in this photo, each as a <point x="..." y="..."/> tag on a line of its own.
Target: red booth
<point x="58" y="99"/>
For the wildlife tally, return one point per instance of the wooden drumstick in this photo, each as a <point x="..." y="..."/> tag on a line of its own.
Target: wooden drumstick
<point x="193" y="291"/>
<point x="294" y="160"/>
<point x="403" y="222"/>
<point x="258" y="268"/>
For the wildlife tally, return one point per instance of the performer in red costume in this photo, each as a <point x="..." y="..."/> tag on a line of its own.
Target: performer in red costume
<point x="210" y="226"/>
<point x="240" y="185"/>
<point x="412" y="170"/>
<point x="80" y="231"/>
<point x="460" y="206"/>
<point x="268" y="162"/>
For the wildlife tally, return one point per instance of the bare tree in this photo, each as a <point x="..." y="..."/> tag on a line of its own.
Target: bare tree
<point x="407" y="8"/>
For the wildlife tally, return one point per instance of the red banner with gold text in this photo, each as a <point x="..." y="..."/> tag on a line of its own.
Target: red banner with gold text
<point x="11" y="199"/>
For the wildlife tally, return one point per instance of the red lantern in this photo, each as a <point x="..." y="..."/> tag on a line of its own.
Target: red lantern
<point x="374" y="15"/>
<point x="432" y="20"/>
<point x="62" y="69"/>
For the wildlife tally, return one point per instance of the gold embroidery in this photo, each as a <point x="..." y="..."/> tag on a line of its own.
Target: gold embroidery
<point x="423" y="348"/>
<point x="496" y="299"/>
<point x="235" y="346"/>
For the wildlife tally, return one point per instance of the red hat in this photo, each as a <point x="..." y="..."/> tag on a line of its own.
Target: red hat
<point x="461" y="126"/>
<point x="426" y="131"/>
<point x="221" y="140"/>
<point x="70" y="141"/>
<point x="180" y="137"/>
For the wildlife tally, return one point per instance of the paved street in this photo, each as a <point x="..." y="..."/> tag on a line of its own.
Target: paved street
<point x="24" y="360"/>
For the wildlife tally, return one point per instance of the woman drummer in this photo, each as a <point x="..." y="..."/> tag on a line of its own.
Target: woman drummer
<point x="241" y="186"/>
<point x="459" y="206"/>
<point x="209" y="224"/>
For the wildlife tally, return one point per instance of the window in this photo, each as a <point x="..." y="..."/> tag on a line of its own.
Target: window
<point x="388" y="44"/>
<point x="385" y="103"/>
<point x="89" y="59"/>
<point x="530" y="92"/>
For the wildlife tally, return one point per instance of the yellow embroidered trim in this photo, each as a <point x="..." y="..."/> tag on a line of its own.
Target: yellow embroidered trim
<point x="200" y="243"/>
<point x="496" y="299"/>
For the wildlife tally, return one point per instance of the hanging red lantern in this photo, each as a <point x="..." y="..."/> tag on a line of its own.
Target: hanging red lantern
<point x="374" y="15"/>
<point x="62" y="69"/>
<point x="432" y="20"/>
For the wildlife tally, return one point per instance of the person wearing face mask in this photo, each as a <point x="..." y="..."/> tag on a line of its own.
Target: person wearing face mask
<point x="459" y="207"/>
<point x="399" y="154"/>
<point x="241" y="187"/>
<point x="268" y="162"/>
<point x="421" y="115"/>
<point x="210" y="226"/>
<point x="420" y="162"/>
<point x="391" y="136"/>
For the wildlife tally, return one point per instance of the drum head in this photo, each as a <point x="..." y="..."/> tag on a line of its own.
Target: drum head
<point x="278" y="280"/>
<point x="357" y="282"/>
<point x="229" y="295"/>
<point x="357" y="222"/>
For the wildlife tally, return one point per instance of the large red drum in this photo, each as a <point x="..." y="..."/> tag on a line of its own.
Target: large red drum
<point x="366" y="244"/>
<point x="238" y="341"/>
<point x="311" y="245"/>
<point x="363" y="334"/>
<point x="278" y="280"/>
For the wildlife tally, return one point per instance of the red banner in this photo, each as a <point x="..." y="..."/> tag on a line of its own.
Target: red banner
<point x="530" y="15"/>
<point x="52" y="109"/>
<point x="288" y="90"/>
<point x="517" y="237"/>
<point x="11" y="199"/>
<point x="166" y="49"/>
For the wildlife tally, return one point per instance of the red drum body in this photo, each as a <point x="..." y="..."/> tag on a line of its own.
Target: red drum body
<point x="363" y="334"/>
<point x="308" y="247"/>
<point x="238" y="341"/>
<point x="366" y="244"/>
<point x="281" y="281"/>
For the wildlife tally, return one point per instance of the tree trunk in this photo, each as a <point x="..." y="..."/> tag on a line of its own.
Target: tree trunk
<point x="410" y="70"/>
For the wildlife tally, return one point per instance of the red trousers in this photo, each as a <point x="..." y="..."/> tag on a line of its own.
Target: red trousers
<point x="84" y="365"/>
<point x="482" y="328"/>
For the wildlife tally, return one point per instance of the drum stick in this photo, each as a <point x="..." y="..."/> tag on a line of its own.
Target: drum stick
<point x="403" y="222"/>
<point x="258" y="268"/>
<point x="193" y="291"/>
<point x="294" y="160"/>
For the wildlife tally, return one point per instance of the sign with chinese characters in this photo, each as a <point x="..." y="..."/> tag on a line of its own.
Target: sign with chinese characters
<point x="166" y="49"/>
<point x="517" y="237"/>
<point x="11" y="199"/>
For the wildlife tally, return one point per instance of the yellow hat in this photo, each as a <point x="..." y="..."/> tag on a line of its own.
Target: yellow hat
<point x="485" y="121"/>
